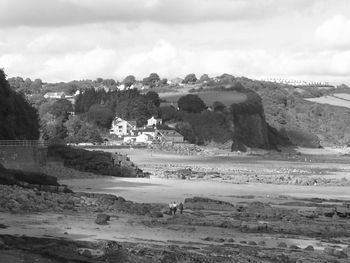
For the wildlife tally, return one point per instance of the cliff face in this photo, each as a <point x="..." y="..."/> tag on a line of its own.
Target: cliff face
<point x="251" y="130"/>
<point x="250" y="126"/>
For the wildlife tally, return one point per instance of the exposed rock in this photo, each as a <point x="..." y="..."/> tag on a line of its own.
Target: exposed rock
<point x="294" y="247"/>
<point x="282" y="244"/>
<point x="309" y="248"/>
<point x="102" y="219"/>
<point x="201" y="203"/>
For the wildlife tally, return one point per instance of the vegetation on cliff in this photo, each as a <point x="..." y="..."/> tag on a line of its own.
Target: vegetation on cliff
<point x="98" y="162"/>
<point x="18" y="119"/>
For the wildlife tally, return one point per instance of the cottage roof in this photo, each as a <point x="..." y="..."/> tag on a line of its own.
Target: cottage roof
<point x="133" y="123"/>
<point x="170" y="133"/>
<point x="118" y="120"/>
<point x="148" y="129"/>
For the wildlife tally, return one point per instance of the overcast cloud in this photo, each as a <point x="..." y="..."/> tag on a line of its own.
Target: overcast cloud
<point x="74" y="39"/>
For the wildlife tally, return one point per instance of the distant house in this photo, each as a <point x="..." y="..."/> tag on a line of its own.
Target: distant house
<point x="170" y="136"/>
<point x="122" y="127"/>
<point x="175" y="81"/>
<point x="55" y="95"/>
<point x="154" y="122"/>
<point x="141" y="138"/>
<point x="144" y="138"/>
<point x="149" y="131"/>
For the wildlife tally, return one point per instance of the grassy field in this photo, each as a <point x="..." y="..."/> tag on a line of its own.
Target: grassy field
<point x="340" y="99"/>
<point x="209" y="97"/>
<point x="343" y="96"/>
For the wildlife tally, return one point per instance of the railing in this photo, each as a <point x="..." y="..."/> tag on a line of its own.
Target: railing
<point x="24" y="143"/>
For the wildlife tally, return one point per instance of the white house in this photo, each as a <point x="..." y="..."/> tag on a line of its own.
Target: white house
<point x="144" y="138"/>
<point x="149" y="131"/>
<point x="153" y="121"/>
<point x="122" y="127"/>
<point x="55" y="95"/>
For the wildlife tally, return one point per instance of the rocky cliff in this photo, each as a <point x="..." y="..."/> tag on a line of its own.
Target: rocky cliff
<point x="250" y="126"/>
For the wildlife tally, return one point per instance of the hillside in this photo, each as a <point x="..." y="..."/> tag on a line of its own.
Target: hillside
<point x="18" y="119"/>
<point x="235" y="114"/>
<point x="307" y="116"/>
<point x="305" y="123"/>
<point x="310" y="116"/>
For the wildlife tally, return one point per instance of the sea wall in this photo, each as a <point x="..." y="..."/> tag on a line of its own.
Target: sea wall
<point x="29" y="158"/>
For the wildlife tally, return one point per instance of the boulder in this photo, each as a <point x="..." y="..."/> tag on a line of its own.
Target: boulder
<point x="102" y="219"/>
<point x="309" y="248"/>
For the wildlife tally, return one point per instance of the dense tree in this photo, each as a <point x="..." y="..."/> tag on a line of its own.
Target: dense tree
<point x="163" y="82"/>
<point x="52" y="127"/>
<point x="85" y="100"/>
<point x="79" y="131"/>
<point x="152" y="80"/>
<point x="206" y="127"/>
<point x="100" y="115"/>
<point x="204" y="78"/>
<point x="168" y="113"/>
<point x="190" y="78"/>
<point x="154" y="97"/>
<point x="36" y="86"/>
<point x="61" y="108"/>
<point x="129" y="80"/>
<point x="191" y="103"/>
<point x="16" y="82"/>
<point x="18" y="119"/>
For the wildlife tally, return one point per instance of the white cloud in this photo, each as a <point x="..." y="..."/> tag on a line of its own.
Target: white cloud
<point x="72" y="12"/>
<point x="335" y="32"/>
<point x="74" y="39"/>
<point x="80" y="65"/>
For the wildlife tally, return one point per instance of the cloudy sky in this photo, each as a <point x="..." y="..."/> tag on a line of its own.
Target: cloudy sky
<point x="61" y="40"/>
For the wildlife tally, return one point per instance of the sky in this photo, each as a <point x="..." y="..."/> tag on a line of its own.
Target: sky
<point x="63" y="40"/>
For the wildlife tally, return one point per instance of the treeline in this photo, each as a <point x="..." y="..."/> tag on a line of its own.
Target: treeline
<point x="93" y="112"/>
<point x="18" y="119"/>
<point x="101" y="106"/>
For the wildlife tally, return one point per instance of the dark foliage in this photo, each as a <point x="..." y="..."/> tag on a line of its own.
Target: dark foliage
<point x="154" y="97"/>
<point x="190" y="78"/>
<point x="152" y="80"/>
<point x="60" y="108"/>
<point x="169" y="113"/>
<point x="205" y="127"/>
<point x="127" y="104"/>
<point x="18" y="119"/>
<point x="191" y="103"/>
<point x="100" y="115"/>
<point x="97" y="162"/>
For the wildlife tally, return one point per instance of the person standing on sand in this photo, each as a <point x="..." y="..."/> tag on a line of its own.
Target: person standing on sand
<point x="174" y="207"/>
<point x="181" y="207"/>
<point x="171" y="208"/>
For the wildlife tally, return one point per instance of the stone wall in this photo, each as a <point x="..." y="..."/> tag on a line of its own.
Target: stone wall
<point x="29" y="158"/>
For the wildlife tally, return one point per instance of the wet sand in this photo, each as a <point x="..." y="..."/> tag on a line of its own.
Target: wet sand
<point x="159" y="190"/>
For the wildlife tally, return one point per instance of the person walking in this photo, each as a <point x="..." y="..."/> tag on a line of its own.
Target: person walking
<point x="174" y="207"/>
<point x="170" y="208"/>
<point x="181" y="207"/>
